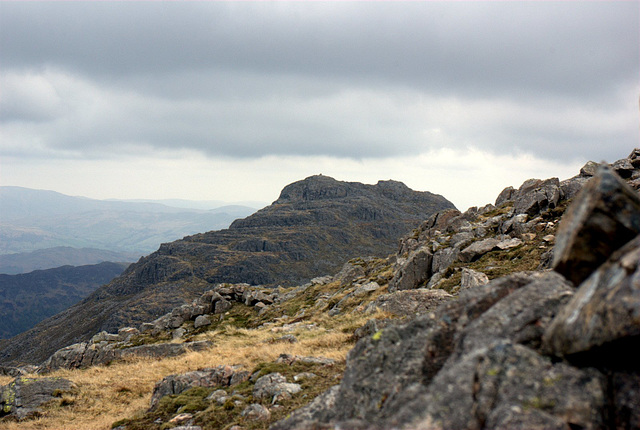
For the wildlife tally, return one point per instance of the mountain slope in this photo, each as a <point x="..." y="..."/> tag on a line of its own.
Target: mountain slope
<point x="27" y="299"/>
<point x="314" y="226"/>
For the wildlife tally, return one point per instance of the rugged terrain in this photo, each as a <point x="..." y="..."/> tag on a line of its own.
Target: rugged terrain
<point x="522" y="314"/>
<point x="314" y="227"/>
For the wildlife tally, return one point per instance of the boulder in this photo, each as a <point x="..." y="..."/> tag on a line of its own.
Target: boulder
<point x="509" y="194"/>
<point x="602" y="321"/>
<point x="256" y="412"/>
<point x="472" y="278"/>
<point x="220" y="376"/>
<point x="398" y="357"/>
<point x="444" y="257"/>
<point x="23" y="396"/>
<point x="521" y="317"/>
<point x="478" y="249"/>
<point x="201" y="321"/>
<point x="604" y="216"/>
<point x="415" y="272"/>
<point x="274" y="386"/>
<point x="222" y="306"/>
<point x="83" y="355"/>
<point x="506" y="385"/>
<point x="409" y="302"/>
<point x="536" y="196"/>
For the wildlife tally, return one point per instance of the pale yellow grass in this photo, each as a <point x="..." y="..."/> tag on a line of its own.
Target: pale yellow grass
<point x="105" y="394"/>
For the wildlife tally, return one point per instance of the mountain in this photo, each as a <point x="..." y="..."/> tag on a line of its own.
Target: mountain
<point x="29" y="298"/>
<point x="37" y="219"/>
<point x="522" y="314"/>
<point x="41" y="259"/>
<point x="315" y="225"/>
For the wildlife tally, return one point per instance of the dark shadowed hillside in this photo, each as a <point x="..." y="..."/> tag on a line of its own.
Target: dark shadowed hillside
<point x="314" y="226"/>
<point x="27" y="299"/>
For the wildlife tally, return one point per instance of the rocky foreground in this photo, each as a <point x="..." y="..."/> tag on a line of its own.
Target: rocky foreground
<point x="499" y="317"/>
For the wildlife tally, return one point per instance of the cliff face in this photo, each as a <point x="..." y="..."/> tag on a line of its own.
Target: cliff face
<point x="315" y="225"/>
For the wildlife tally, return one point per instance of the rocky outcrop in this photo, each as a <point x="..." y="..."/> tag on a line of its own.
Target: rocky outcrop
<point x="605" y="217"/>
<point x="315" y="226"/>
<point x="529" y="350"/>
<point x="23" y="397"/>
<point x="83" y="355"/>
<point x="220" y="376"/>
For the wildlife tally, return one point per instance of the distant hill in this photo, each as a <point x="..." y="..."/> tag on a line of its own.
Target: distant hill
<point x="29" y="298"/>
<point x="312" y="229"/>
<point x="13" y="264"/>
<point x="36" y="219"/>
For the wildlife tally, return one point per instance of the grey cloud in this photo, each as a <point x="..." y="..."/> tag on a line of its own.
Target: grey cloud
<point x="474" y="48"/>
<point x="253" y="79"/>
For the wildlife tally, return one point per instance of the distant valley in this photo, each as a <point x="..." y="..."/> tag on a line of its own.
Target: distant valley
<point x="34" y="220"/>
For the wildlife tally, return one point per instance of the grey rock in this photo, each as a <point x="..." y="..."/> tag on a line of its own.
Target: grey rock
<point x="415" y="272"/>
<point x="460" y="240"/>
<point x="178" y="333"/>
<point x="381" y="367"/>
<point x="409" y="302"/>
<point x="602" y="321"/>
<point x="443" y="258"/>
<point x="478" y="249"/>
<point x="624" y="168"/>
<point x="287" y="338"/>
<point x="571" y="187"/>
<point x="274" y="386"/>
<point x="22" y="397"/>
<point x="220" y="376"/>
<point x="536" y="196"/>
<point x="304" y="375"/>
<point x="602" y="218"/>
<point x="83" y="355"/>
<point x="370" y="328"/>
<point x="290" y="359"/>
<point x="509" y="194"/>
<point x="312" y="415"/>
<point x="256" y="412"/>
<point x="589" y="169"/>
<point x="509" y="243"/>
<point x="521" y="317"/>
<point x="349" y="273"/>
<point x="222" y="306"/>
<point x="218" y="396"/>
<point x="472" y="278"/>
<point x="486" y="383"/>
<point x="201" y="321"/>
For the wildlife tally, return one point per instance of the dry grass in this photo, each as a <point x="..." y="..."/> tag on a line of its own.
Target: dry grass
<point x="105" y="394"/>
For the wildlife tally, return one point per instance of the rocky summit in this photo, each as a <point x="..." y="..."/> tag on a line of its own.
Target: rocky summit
<point x="523" y="314"/>
<point x="315" y="225"/>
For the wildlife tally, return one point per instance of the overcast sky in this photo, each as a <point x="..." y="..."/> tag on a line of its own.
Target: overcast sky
<point x="234" y="100"/>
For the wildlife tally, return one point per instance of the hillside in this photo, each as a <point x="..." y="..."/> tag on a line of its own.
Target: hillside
<point x="49" y="258"/>
<point x="37" y="219"/>
<point x="521" y="314"/>
<point x="315" y="225"/>
<point x="26" y="299"/>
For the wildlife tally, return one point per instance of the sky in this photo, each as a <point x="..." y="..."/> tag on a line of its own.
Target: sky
<point x="234" y="100"/>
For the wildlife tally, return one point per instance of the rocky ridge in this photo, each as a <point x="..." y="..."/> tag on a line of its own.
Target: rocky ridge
<point x="315" y="225"/>
<point x="487" y="329"/>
